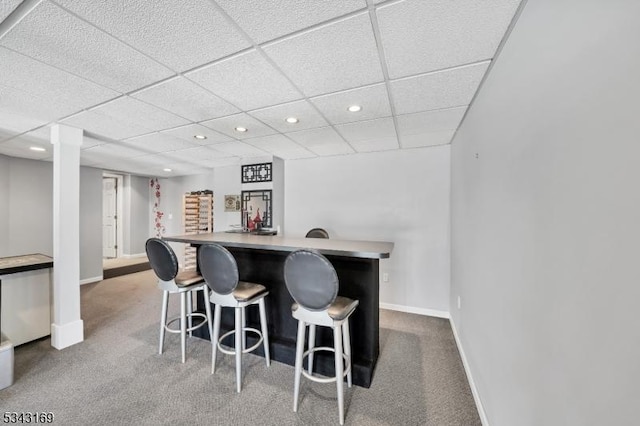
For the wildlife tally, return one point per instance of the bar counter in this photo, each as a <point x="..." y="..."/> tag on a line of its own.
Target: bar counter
<point x="261" y="259"/>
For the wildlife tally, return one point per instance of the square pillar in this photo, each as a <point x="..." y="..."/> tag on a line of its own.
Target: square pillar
<point x="67" y="328"/>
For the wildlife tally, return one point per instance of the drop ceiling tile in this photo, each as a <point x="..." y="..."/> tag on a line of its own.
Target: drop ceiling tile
<point x="158" y="142"/>
<point x="6" y="7"/>
<point x="442" y="137"/>
<point x="273" y="144"/>
<point x="31" y="108"/>
<point x="186" y="169"/>
<point x="275" y="116"/>
<point x="51" y="35"/>
<point x="343" y="53"/>
<point x="201" y="153"/>
<point x="133" y="111"/>
<point x="104" y="125"/>
<point x="429" y="128"/>
<point x="247" y="80"/>
<point x="181" y="35"/>
<point x="322" y="141"/>
<point x="188" y="132"/>
<point x="266" y="20"/>
<point x="239" y="149"/>
<point x="12" y="124"/>
<point x="374" y="101"/>
<point x="372" y="135"/>
<point x="6" y="133"/>
<point x="109" y="153"/>
<point x="22" y="73"/>
<point x="443" y="89"/>
<point x="186" y="99"/>
<point x="420" y="36"/>
<point x="226" y="125"/>
<point x="19" y="146"/>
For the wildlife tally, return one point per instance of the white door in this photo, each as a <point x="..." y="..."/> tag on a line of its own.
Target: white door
<point x="109" y="209"/>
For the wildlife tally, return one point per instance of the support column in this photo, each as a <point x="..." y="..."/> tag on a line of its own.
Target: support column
<point x="67" y="327"/>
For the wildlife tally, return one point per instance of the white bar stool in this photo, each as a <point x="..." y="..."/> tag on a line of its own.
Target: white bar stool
<point x="313" y="283"/>
<point x="220" y="271"/>
<point x="164" y="263"/>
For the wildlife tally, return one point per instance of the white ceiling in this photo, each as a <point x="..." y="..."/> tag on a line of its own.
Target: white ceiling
<point x="142" y="77"/>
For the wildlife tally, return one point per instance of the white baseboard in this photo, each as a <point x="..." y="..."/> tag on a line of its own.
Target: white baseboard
<point x="131" y="256"/>
<point x="412" y="310"/>
<point x="92" y="280"/>
<point x="467" y="370"/>
<point x="65" y="335"/>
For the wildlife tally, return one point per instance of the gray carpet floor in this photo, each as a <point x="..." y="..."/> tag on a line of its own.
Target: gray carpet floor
<point x="116" y="376"/>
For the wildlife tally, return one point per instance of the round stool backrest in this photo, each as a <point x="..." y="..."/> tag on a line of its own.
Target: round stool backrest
<point x="218" y="267"/>
<point x="317" y="233"/>
<point x="162" y="259"/>
<point x="311" y="279"/>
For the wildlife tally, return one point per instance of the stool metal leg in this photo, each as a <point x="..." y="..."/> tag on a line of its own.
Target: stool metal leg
<point x="190" y="311"/>
<point x="216" y="335"/>
<point x="238" y="347"/>
<point x="183" y="325"/>
<point x="244" y="324"/>
<point x="347" y="347"/>
<point x="337" y="341"/>
<point x="302" y="328"/>
<point x="163" y="319"/>
<point x="207" y="308"/>
<point x="264" y="328"/>
<point x="312" y="344"/>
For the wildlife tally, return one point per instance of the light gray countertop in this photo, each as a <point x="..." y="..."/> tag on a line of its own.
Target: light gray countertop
<point x="362" y="249"/>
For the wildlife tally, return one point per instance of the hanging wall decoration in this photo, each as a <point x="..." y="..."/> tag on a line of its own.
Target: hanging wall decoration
<point x="256" y="173"/>
<point x="157" y="213"/>
<point x="231" y="203"/>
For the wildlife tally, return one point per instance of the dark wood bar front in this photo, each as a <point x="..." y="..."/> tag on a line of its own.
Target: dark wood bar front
<point x="358" y="273"/>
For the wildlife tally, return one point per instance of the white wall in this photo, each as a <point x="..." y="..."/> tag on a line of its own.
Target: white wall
<point x="397" y="196"/>
<point x="30" y="207"/>
<point x="4" y="203"/>
<point x="26" y="220"/>
<point x="90" y="223"/>
<point x="545" y="222"/>
<point x="136" y="214"/>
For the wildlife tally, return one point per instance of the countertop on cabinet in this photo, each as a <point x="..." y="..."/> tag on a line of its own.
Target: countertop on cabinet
<point x="333" y="247"/>
<point x="23" y="263"/>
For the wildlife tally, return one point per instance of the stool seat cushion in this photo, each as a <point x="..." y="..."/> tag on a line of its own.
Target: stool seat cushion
<point x="341" y="308"/>
<point x="187" y="278"/>
<point x="246" y="291"/>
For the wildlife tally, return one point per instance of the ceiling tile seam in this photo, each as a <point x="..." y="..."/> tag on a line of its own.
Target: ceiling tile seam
<point x="261" y="52"/>
<point x="443" y="70"/>
<point x="17" y="15"/>
<point x="503" y="41"/>
<point x="313" y="27"/>
<point x="383" y="64"/>
<point x="387" y="3"/>
<point x="271" y="62"/>
<point x="196" y="124"/>
<point x="70" y="12"/>
<point x="46" y="64"/>
<point x="433" y="110"/>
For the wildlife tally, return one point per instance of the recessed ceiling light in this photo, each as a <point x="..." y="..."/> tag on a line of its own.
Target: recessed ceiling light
<point x="241" y="129"/>
<point x="37" y="148"/>
<point x="354" y="108"/>
<point x="291" y="120"/>
<point x="167" y="170"/>
<point x="200" y="136"/>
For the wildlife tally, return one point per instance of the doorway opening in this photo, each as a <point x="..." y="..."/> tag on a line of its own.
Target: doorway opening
<point x="112" y="229"/>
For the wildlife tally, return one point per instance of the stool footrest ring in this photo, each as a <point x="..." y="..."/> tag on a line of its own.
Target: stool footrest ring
<point x="320" y="379"/>
<point x="246" y="350"/>
<point x="192" y="315"/>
